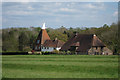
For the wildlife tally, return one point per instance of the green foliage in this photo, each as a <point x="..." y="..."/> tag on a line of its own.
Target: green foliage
<point x="62" y="52"/>
<point x="27" y="48"/>
<point x="18" y="39"/>
<point x="55" y="52"/>
<point x="10" y="40"/>
<point x="37" y="53"/>
<point x="68" y="52"/>
<point x="59" y="35"/>
<point x="37" y="29"/>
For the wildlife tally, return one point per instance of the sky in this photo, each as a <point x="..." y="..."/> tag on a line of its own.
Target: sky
<point x="57" y="14"/>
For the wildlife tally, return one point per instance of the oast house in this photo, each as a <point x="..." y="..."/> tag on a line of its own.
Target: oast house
<point x="44" y="43"/>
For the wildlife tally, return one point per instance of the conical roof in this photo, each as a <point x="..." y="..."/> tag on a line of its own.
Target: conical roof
<point x="97" y="42"/>
<point x="43" y="36"/>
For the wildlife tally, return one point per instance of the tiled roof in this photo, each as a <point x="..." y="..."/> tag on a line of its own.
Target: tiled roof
<point x="53" y="43"/>
<point x="86" y="41"/>
<point x="43" y="36"/>
<point x="75" y="44"/>
<point x="97" y="41"/>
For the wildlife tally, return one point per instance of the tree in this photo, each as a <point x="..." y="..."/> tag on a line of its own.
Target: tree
<point x="23" y="41"/>
<point x="105" y="26"/>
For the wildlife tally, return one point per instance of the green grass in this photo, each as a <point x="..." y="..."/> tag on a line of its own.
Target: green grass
<point x="59" y="66"/>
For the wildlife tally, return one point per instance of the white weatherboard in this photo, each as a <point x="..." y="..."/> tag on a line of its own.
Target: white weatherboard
<point x="43" y="27"/>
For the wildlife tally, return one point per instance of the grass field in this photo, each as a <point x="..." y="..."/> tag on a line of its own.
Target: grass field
<point x="59" y="66"/>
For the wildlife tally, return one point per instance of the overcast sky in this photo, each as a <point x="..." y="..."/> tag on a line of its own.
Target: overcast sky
<point x="57" y="14"/>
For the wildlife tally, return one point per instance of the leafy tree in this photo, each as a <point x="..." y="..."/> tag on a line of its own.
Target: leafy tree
<point x="23" y="41"/>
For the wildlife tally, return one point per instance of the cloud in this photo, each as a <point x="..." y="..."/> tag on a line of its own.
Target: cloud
<point x="20" y="0"/>
<point x="98" y="5"/>
<point x="115" y="13"/>
<point x="90" y="6"/>
<point x="67" y="9"/>
<point x="18" y="13"/>
<point x="25" y="13"/>
<point x="60" y="0"/>
<point x="30" y="8"/>
<point x="58" y="3"/>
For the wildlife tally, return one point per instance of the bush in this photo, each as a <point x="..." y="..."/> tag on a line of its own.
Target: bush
<point x="27" y="49"/>
<point x="62" y="52"/>
<point x="55" y="52"/>
<point x="30" y="53"/>
<point x="37" y="53"/>
<point x="14" y="53"/>
<point x="68" y="52"/>
<point x="45" y="53"/>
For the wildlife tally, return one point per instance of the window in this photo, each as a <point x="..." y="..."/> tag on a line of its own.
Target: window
<point x="38" y="41"/>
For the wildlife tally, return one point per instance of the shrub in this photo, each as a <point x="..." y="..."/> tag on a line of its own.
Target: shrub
<point x="62" y="52"/>
<point x="30" y="53"/>
<point x="37" y="53"/>
<point x="55" y="52"/>
<point x="45" y="53"/>
<point x="68" y="52"/>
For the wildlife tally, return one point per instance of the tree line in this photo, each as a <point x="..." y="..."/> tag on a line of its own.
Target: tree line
<point x="22" y="39"/>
